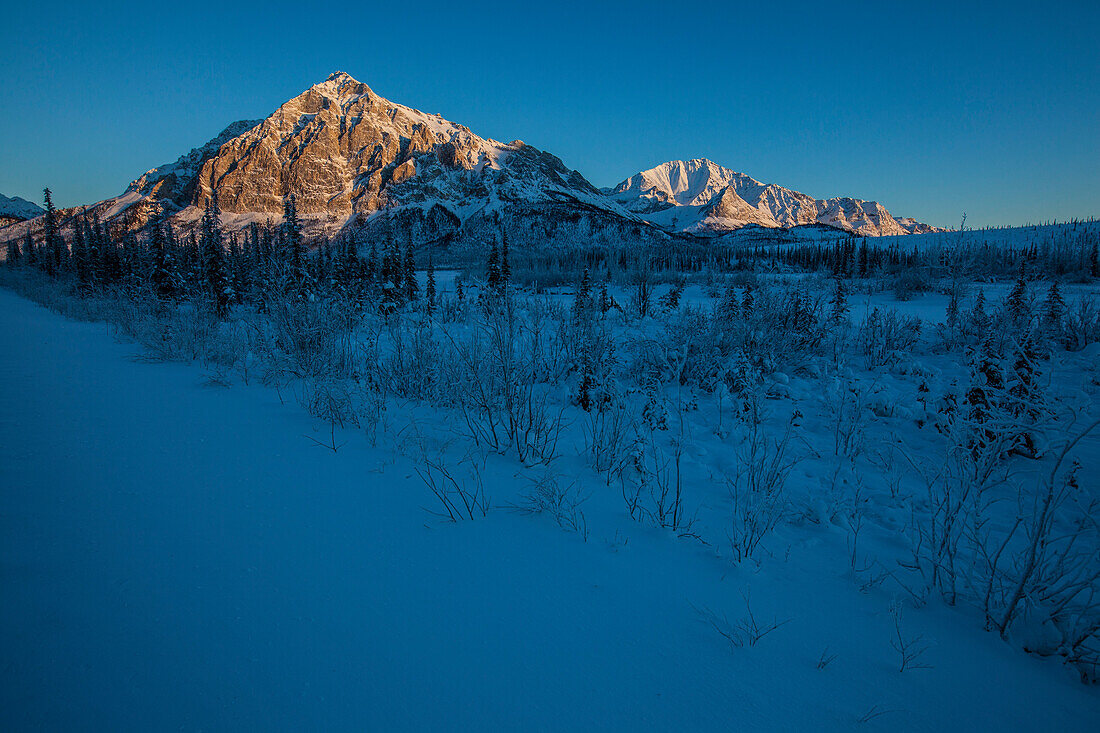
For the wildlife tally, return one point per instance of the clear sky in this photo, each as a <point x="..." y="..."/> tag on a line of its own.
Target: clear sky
<point x="991" y="108"/>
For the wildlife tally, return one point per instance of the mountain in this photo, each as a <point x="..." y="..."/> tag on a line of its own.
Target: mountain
<point x="15" y="209"/>
<point x="355" y="161"/>
<point x="702" y="197"/>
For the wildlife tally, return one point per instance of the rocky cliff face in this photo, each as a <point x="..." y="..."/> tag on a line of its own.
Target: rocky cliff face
<point x="701" y="197"/>
<point x="346" y="153"/>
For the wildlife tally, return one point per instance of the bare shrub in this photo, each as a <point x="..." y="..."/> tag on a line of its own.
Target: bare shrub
<point x="495" y="381"/>
<point x="886" y="337"/>
<point x="758" y="490"/>
<point x="745" y="631"/>
<point x="458" y="499"/>
<point x="910" y="649"/>
<point x="548" y="495"/>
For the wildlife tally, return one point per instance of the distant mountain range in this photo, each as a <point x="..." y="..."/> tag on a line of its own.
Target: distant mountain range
<point x="17" y="209"/>
<point x="702" y="197"/>
<point x="356" y="161"/>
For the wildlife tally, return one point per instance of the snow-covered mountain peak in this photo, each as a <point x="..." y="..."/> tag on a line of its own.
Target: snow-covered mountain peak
<point x="700" y="196"/>
<point x="347" y="153"/>
<point x="679" y="182"/>
<point x="16" y="209"/>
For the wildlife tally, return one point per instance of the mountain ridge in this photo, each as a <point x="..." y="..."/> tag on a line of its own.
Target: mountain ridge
<point x="354" y="160"/>
<point x="702" y="197"/>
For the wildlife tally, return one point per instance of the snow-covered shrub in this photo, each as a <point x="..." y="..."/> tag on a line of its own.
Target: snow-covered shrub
<point x="610" y="435"/>
<point x="758" y="490"/>
<point x="413" y="361"/>
<point x="845" y="404"/>
<point x="909" y="282"/>
<point x="495" y="378"/>
<point x="1081" y="326"/>
<point x="548" y="495"/>
<point x="885" y="337"/>
<point x="312" y="337"/>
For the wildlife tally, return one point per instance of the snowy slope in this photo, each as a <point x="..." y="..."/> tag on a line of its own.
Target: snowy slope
<point x="202" y="565"/>
<point x="700" y="196"/>
<point x="17" y="209"/>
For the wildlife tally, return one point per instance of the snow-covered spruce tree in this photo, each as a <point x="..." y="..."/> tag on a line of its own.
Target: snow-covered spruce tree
<point x="952" y="315"/>
<point x="505" y="266"/>
<point x="160" y="261"/>
<point x="642" y="297"/>
<point x="983" y="396"/>
<point x="1054" y="310"/>
<point x="838" y="302"/>
<point x="13" y="253"/>
<point x="582" y="298"/>
<point x="81" y="261"/>
<point x="412" y="286"/>
<point x="373" y="268"/>
<point x="429" y="287"/>
<point x="295" y="255"/>
<point x="492" y="269"/>
<point x="979" y="320"/>
<point x="1025" y="395"/>
<point x="670" y="301"/>
<point x="54" y="244"/>
<point x="587" y="383"/>
<point x="729" y="307"/>
<point x="29" y="254"/>
<point x="214" y="275"/>
<point x="748" y="302"/>
<point x="1017" y="303"/>
<point x="606" y="302"/>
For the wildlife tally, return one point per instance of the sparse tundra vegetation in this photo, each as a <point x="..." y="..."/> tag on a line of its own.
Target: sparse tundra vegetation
<point x="919" y="415"/>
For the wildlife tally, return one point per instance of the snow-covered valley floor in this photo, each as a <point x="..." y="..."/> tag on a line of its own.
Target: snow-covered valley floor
<point x="178" y="555"/>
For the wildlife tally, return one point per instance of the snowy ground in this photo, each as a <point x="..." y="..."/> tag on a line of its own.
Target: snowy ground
<point x="176" y="555"/>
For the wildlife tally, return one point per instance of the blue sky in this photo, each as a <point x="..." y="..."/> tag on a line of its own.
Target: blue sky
<point x="933" y="109"/>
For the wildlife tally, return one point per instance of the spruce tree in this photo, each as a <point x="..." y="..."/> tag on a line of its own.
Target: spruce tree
<point x="1017" y="302"/>
<point x="295" y="246"/>
<point x="505" y="268"/>
<point x="80" y="260"/>
<point x="1054" y="309"/>
<point x="1025" y="395"/>
<point x="953" y="308"/>
<point x="412" y="287"/>
<point x="748" y="302"/>
<point x="160" y="274"/>
<point x="53" y="242"/>
<point x="429" y="286"/>
<point x="979" y="319"/>
<point x="838" y="303"/>
<point x="29" y="255"/>
<point x="1094" y="260"/>
<point x="12" y="258"/>
<point x="373" y="268"/>
<point x="493" y="269"/>
<point x="582" y="302"/>
<point x="214" y="274"/>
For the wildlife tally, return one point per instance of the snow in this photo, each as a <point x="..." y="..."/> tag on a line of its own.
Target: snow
<point x="18" y="208"/>
<point x="179" y="555"/>
<point x="699" y="184"/>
